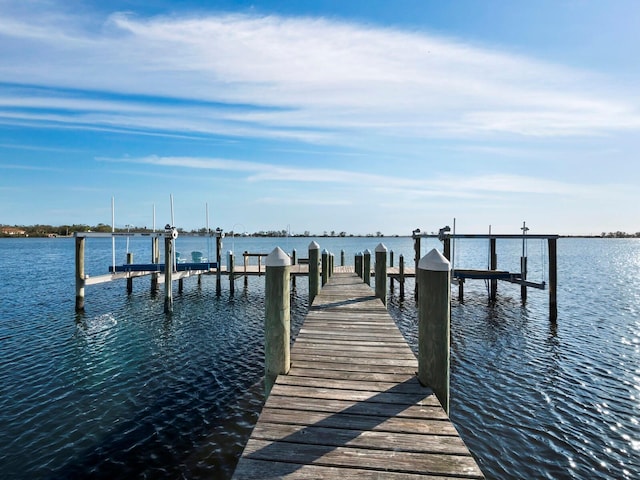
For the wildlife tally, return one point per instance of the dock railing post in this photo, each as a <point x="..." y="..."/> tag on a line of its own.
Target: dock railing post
<point x="401" y="276"/>
<point x="381" y="273"/>
<point x="277" y="324"/>
<point x="434" y="317"/>
<point x="155" y="259"/>
<point x="553" y="279"/>
<point x="416" y="258"/>
<point x="391" y="258"/>
<point x="168" y="269"/>
<point x="294" y="261"/>
<point x="366" y="267"/>
<point x="246" y="278"/>
<point x="129" y="279"/>
<point x="231" y="267"/>
<point x="493" y="291"/>
<point x="325" y="266"/>
<point x="80" y="278"/>
<point x="314" y="277"/>
<point x="342" y="258"/>
<point x="219" y="236"/>
<point x="358" y="264"/>
<point x="332" y="263"/>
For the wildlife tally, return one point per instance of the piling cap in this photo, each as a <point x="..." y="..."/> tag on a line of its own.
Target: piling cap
<point x="381" y="248"/>
<point x="277" y="258"/>
<point x="367" y="252"/>
<point x="314" y="246"/>
<point x="435" y="262"/>
<point x="325" y="252"/>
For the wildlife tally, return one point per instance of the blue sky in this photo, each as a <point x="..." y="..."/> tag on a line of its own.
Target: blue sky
<point x="358" y="116"/>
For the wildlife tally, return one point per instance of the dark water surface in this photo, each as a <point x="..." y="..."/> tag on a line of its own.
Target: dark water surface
<point x="126" y="391"/>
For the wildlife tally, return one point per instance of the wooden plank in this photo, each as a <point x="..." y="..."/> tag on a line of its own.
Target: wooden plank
<point x="351" y="405"/>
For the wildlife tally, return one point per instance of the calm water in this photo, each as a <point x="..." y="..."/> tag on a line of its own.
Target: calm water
<point x="126" y="391"/>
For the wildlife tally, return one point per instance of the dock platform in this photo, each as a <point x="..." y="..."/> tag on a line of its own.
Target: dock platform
<point x="351" y="405"/>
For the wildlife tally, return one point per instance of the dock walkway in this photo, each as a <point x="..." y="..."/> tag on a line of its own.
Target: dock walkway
<point x="351" y="405"/>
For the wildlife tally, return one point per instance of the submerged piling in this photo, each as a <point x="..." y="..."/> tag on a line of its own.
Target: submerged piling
<point x="80" y="245"/>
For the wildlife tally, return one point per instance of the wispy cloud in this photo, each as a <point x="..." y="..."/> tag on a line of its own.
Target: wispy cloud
<point x="306" y="79"/>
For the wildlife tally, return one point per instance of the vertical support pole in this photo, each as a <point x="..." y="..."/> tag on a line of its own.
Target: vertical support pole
<point x="80" y="244"/>
<point x="434" y="316"/>
<point x="523" y="274"/>
<point x="446" y="248"/>
<point x="246" y="278"/>
<point x="366" y="267"/>
<point x="381" y="273"/>
<point x="416" y="257"/>
<point x="494" y="266"/>
<point x="294" y="261"/>
<point x="219" y="236"/>
<point x="129" y="279"/>
<point x="180" y="285"/>
<point x="168" y="272"/>
<point x="314" y="277"/>
<point x="553" y="279"/>
<point x="277" y="323"/>
<point x="332" y="263"/>
<point x="391" y="258"/>
<point x="325" y="267"/>
<point x="231" y="270"/>
<point x="155" y="259"/>
<point x="461" y="290"/>
<point x="342" y="258"/>
<point x="358" y="264"/>
<point x="401" y="276"/>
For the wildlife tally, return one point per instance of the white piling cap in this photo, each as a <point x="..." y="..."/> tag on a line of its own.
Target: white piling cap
<point x="314" y="246"/>
<point x="325" y="252"/>
<point x="277" y="258"/>
<point x="367" y="252"/>
<point x="435" y="262"/>
<point x="381" y="248"/>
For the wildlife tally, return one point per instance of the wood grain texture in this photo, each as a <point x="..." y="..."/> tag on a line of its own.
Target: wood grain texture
<point x="351" y="405"/>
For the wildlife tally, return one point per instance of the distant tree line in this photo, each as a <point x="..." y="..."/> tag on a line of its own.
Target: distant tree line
<point x="620" y="234"/>
<point x="67" y="230"/>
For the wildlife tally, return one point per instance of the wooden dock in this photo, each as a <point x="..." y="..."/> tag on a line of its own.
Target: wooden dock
<point x="351" y="405"/>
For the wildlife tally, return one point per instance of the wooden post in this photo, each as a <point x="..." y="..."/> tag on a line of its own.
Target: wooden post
<point x="80" y="244"/>
<point x="366" y="266"/>
<point x="314" y="277"/>
<point x="325" y="267"/>
<point x="130" y="279"/>
<point x="180" y="285"/>
<point x="231" y="270"/>
<point x="168" y="271"/>
<point x="358" y="264"/>
<point x="246" y="278"/>
<point x="381" y="273"/>
<point x="332" y="264"/>
<point x="401" y="276"/>
<point x="219" y="236"/>
<point x="523" y="274"/>
<point x="461" y="290"/>
<point x="155" y="259"/>
<point x="391" y="258"/>
<point x="434" y="318"/>
<point x="446" y="248"/>
<point x="416" y="257"/>
<point x="553" y="279"/>
<point x="342" y="258"/>
<point x="494" y="266"/>
<point x="294" y="261"/>
<point x="277" y="324"/>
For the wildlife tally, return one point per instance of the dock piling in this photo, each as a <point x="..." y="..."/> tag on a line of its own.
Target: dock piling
<point x="130" y="279"/>
<point x="277" y="326"/>
<point x="381" y="273"/>
<point x="366" y="266"/>
<point x="168" y="270"/>
<point x="80" y="245"/>
<point x="231" y="270"/>
<point x="493" y="291"/>
<point x="553" y="279"/>
<point x="434" y="318"/>
<point x="358" y="264"/>
<point x="314" y="283"/>
<point x="155" y="259"/>
<point x="325" y="267"/>
<point x="401" y="276"/>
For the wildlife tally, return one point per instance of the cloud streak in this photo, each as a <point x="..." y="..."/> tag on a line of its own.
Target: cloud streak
<point x="312" y="80"/>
